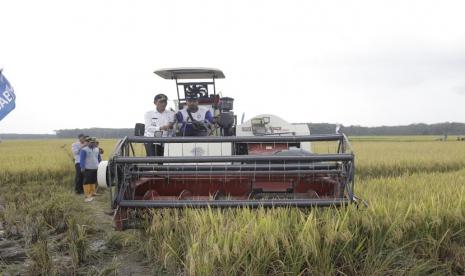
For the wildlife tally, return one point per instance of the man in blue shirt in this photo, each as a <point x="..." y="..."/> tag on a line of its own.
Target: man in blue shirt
<point x="89" y="160"/>
<point x="194" y="119"/>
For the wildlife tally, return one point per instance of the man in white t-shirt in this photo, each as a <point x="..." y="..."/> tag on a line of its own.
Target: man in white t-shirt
<point x="194" y="119"/>
<point x="158" y="123"/>
<point x="76" y="149"/>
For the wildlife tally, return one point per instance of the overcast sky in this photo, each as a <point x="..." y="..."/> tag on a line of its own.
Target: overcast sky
<point x="77" y="64"/>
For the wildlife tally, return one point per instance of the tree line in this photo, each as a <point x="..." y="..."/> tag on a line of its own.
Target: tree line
<point x="95" y="132"/>
<point x="413" y="129"/>
<point x="448" y="128"/>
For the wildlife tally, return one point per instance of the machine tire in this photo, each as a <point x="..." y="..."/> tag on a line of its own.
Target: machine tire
<point x="102" y="172"/>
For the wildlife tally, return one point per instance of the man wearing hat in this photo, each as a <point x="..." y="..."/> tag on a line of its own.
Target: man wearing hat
<point x="158" y="123"/>
<point x="194" y="118"/>
<point x="89" y="160"/>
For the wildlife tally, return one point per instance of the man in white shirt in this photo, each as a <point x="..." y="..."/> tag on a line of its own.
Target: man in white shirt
<point x="158" y="123"/>
<point x="76" y="149"/>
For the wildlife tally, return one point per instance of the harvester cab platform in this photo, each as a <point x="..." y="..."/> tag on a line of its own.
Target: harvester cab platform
<point x="263" y="162"/>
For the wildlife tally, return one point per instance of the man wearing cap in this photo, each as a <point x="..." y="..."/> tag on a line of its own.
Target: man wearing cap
<point x="76" y="149"/>
<point x="194" y="118"/>
<point x="89" y="160"/>
<point x="158" y="123"/>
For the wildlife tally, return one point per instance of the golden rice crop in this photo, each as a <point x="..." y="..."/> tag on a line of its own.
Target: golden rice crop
<point x="414" y="223"/>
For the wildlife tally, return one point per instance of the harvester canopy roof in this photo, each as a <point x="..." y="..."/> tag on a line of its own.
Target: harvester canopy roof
<point x="190" y="73"/>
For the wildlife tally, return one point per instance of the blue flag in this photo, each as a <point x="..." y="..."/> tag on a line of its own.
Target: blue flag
<point x="7" y="97"/>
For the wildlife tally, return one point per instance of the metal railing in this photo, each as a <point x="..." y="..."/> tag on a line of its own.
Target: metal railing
<point x="125" y="166"/>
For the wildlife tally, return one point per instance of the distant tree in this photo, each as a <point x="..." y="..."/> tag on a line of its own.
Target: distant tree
<point x="413" y="129"/>
<point x="95" y="132"/>
<point x="441" y="129"/>
<point x="12" y="136"/>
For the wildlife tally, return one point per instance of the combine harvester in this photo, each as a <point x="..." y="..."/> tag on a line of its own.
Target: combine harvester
<point x="263" y="162"/>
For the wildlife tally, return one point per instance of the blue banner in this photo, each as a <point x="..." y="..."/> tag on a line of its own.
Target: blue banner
<point x="7" y="97"/>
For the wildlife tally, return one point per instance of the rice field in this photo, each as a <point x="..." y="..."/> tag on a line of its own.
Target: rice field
<point x="414" y="223"/>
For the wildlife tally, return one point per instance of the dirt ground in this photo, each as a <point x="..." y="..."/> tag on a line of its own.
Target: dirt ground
<point x="105" y="258"/>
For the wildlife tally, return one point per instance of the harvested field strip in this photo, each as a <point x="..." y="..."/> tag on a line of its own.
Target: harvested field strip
<point x="43" y="219"/>
<point x="40" y="213"/>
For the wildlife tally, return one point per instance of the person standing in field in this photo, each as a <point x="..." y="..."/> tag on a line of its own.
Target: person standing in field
<point x="100" y="150"/>
<point x="76" y="149"/>
<point x="89" y="160"/>
<point x="158" y="123"/>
